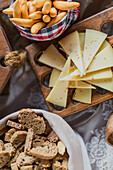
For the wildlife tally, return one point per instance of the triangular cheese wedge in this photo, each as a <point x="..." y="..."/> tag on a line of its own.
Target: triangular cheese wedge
<point x="104" y="45"/>
<point x="102" y="74"/>
<point x="71" y="44"/>
<point x="54" y="76"/>
<point x="52" y="58"/>
<point x="83" y="95"/>
<point x="59" y="93"/>
<point x="80" y="85"/>
<point x="93" y="41"/>
<point x="82" y="40"/>
<point x="102" y="60"/>
<point x="76" y="55"/>
<point x="106" y="84"/>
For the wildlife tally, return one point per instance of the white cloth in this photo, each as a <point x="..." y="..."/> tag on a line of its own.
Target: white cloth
<point x="78" y="158"/>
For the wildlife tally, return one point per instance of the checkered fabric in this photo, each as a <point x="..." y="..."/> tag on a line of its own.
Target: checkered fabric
<point x="54" y="31"/>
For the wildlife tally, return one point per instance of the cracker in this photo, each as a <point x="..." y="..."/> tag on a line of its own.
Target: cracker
<point x="18" y="138"/>
<point x="15" y="125"/>
<point x="29" y="139"/>
<point x="4" y="158"/>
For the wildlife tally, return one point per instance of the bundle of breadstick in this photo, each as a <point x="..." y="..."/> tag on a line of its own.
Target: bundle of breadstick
<point x="37" y="14"/>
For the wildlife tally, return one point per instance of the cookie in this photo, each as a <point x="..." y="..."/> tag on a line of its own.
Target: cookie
<point x="9" y="134"/>
<point x="48" y="128"/>
<point x="43" y="163"/>
<point x="9" y="148"/>
<point x="4" y="158"/>
<point x="29" y="167"/>
<point x="61" y="148"/>
<point x="29" y="119"/>
<point x="1" y="145"/>
<point x="14" y="166"/>
<point x="37" y="167"/>
<point x="60" y="162"/>
<point x="15" y="125"/>
<point x="52" y="137"/>
<point x="29" y="139"/>
<point x="47" y="150"/>
<point x="23" y="159"/>
<point x="18" y="138"/>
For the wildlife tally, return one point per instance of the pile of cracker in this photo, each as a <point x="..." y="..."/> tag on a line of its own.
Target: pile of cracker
<point x="31" y="144"/>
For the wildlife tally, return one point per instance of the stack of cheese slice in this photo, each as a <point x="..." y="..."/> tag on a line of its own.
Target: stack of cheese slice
<point x="89" y="62"/>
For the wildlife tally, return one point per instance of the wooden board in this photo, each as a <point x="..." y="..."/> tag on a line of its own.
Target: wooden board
<point x="5" y="72"/>
<point x="4" y="3"/>
<point x="94" y="22"/>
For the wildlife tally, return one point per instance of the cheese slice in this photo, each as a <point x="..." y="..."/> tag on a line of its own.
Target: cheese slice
<point x="52" y="58"/>
<point x="83" y="95"/>
<point x="93" y="41"/>
<point x="101" y="74"/>
<point x="104" y="45"/>
<point x="106" y="84"/>
<point x="80" y="84"/>
<point x="102" y="60"/>
<point x="54" y="76"/>
<point x="82" y="40"/>
<point x="59" y="93"/>
<point x="69" y="43"/>
<point x="76" y="55"/>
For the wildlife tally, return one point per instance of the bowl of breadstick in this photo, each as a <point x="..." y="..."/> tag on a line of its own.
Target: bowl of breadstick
<point x="42" y="20"/>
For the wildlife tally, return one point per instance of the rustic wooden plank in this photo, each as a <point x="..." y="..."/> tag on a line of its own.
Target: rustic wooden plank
<point x="5" y="72"/>
<point x="94" y="22"/>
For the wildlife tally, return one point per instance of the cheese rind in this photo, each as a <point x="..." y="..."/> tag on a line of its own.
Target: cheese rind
<point x="80" y="85"/>
<point x="52" y="58"/>
<point x="83" y="95"/>
<point x="59" y="93"/>
<point x="93" y="41"/>
<point x="106" y="84"/>
<point x="54" y="76"/>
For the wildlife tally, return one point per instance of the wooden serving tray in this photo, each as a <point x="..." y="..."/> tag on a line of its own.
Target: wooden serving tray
<point x="34" y="50"/>
<point x="5" y="72"/>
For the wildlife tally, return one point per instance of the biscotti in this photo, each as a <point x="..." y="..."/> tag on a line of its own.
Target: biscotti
<point x="31" y="144"/>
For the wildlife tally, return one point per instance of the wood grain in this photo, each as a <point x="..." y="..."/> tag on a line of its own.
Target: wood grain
<point x="4" y="3"/>
<point x="95" y="22"/>
<point x="5" y="72"/>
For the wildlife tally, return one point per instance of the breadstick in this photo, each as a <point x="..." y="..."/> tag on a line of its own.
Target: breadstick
<point x="23" y="22"/>
<point x="53" y="12"/>
<point x="31" y="8"/>
<point x="36" y="27"/>
<point x="36" y="15"/>
<point x="46" y="18"/>
<point x="17" y="9"/>
<point x="56" y="19"/>
<point x="64" y="5"/>
<point x="24" y="9"/>
<point x="46" y="8"/>
<point x="8" y="11"/>
<point x="38" y="3"/>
